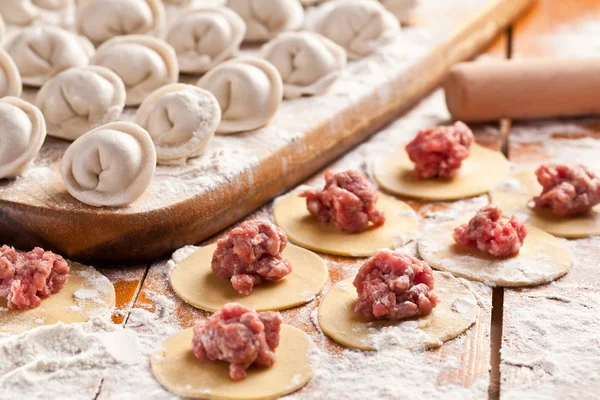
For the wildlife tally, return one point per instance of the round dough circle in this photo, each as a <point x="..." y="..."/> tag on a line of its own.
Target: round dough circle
<point x="303" y="229"/>
<point x="176" y="368"/>
<point x="455" y="313"/>
<point x="64" y="306"/>
<point x="543" y="258"/>
<point x="515" y="198"/>
<point x="483" y="170"/>
<point x="194" y="281"/>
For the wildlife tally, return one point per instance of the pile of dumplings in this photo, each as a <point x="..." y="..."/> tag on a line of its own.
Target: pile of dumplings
<point x="89" y="59"/>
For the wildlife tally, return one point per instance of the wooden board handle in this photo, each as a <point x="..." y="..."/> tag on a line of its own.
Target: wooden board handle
<point x="523" y="89"/>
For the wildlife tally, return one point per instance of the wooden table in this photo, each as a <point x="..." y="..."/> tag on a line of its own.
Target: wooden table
<point x="503" y="348"/>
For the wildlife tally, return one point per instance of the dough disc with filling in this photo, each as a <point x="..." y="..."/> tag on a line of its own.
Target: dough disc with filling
<point x="176" y="368"/>
<point x="543" y="258"/>
<point x="196" y="284"/>
<point x="302" y="228"/>
<point x="455" y="313"/>
<point x="514" y="198"/>
<point x="95" y="295"/>
<point x="483" y="170"/>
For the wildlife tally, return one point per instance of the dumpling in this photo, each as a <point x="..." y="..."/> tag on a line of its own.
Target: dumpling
<point x="249" y="91"/>
<point x="203" y="38"/>
<point x="22" y="133"/>
<point x="144" y="63"/>
<point x="111" y="165"/>
<point x="359" y="26"/>
<point x="101" y="20"/>
<point x="181" y="119"/>
<point x="308" y="62"/>
<point x="266" y="18"/>
<point x="26" y="12"/>
<point x="10" y="78"/>
<point x="400" y="8"/>
<point x="80" y="99"/>
<point x="42" y="52"/>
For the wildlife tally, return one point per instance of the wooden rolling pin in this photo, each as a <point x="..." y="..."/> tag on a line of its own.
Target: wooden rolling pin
<point x="523" y="89"/>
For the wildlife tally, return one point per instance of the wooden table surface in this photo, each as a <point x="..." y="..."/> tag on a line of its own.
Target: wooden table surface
<point x="489" y="349"/>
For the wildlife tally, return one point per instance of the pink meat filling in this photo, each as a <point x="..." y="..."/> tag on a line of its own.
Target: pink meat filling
<point x="487" y="232"/>
<point x="394" y="285"/>
<point x="27" y="278"/>
<point x="438" y="152"/>
<point x="239" y="336"/>
<point x="567" y="190"/>
<point x="250" y="255"/>
<point x="347" y="201"/>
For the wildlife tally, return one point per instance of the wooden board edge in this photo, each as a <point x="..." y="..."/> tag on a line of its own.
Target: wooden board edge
<point x="83" y="235"/>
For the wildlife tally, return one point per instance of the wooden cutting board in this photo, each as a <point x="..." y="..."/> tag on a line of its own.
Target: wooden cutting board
<point x="185" y="205"/>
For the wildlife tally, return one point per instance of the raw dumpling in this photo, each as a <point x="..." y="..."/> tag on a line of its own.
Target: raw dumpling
<point x="144" y="63"/>
<point x="359" y="26"/>
<point x="101" y="20"/>
<point x="42" y="52"/>
<point x="10" y="78"/>
<point x="181" y="119"/>
<point x="266" y="18"/>
<point x="25" y="12"/>
<point x="111" y="165"/>
<point x="308" y="62"/>
<point x="22" y="133"/>
<point x="249" y="91"/>
<point x="203" y="38"/>
<point x="80" y="99"/>
<point x="400" y="8"/>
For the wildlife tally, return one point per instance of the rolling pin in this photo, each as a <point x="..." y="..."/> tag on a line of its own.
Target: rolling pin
<point x="523" y="89"/>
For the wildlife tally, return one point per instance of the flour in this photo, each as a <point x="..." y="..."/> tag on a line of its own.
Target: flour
<point x="555" y="346"/>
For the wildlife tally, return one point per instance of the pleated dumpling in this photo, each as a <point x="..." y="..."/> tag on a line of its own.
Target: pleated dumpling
<point x="111" y="165"/>
<point x="205" y="37"/>
<point x="42" y="52"/>
<point x="80" y="99"/>
<point x="10" y="78"/>
<point x="249" y="91"/>
<point x="267" y="18"/>
<point x="308" y="62"/>
<point x="22" y="133"/>
<point x="144" y="63"/>
<point x="101" y="20"/>
<point x="359" y="26"/>
<point x="181" y="119"/>
<point x="27" y="12"/>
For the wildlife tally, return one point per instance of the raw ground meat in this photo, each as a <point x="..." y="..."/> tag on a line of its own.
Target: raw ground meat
<point x="239" y="336"/>
<point x="567" y="190"/>
<point x="438" y="152"/>
<point x="394" y="285"/>
<point x="487" y="232"/>
<point x="251" y="254"/>
<point x="27" y="278"/>
<point x="347" y="201"/>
